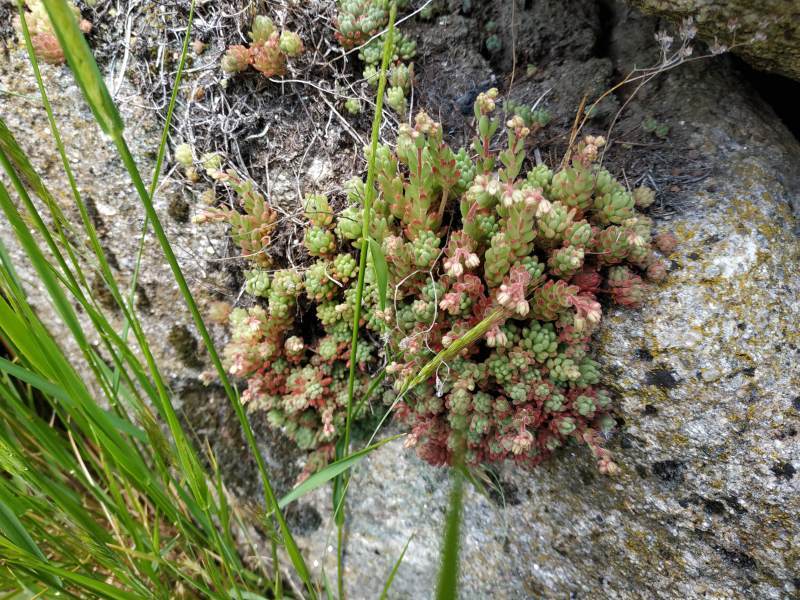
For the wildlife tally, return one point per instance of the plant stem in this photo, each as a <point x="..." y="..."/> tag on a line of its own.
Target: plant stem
<point x="344" y="449"/>
<point x="269" y="494"/>
<point x="447" y="586"/>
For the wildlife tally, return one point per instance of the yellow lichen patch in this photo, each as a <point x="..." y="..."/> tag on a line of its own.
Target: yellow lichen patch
<point x="679" y="439"/>
<point x="684" y="231"/>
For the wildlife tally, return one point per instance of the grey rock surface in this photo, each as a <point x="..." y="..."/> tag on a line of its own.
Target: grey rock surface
<point x="736" y="22"/>
<point x="114" y="207"/>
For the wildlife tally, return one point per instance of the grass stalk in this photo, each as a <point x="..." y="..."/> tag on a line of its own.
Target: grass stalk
<point x="96" y="94"/>
<point x="162" y="147"/>
<point x="447" y="586"/>
<point x="343" y="448"/>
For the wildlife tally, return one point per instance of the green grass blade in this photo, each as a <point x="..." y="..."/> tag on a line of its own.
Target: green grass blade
<point x="95" y="92"/>
<point x="291" y="546"/>
<point x="244" y="595"/>
<point x="447" y="586"/>
<point x="369" y="194"/>
<point x="162" y="147"/>
<point x="343" y="448"/>
<point x="191" y="466"/>
<point x="33" y="379"/>
<point x="474" y="334"/>
<point x="56" y="391"/>
<point x="187" y="457"/>
<point x="381" y="271"/>
<point x="28" y="174"/>
<point x="334" y="469"/>
<point x="84" y="68"/>
<point x="32" y="342"/>
<point x="14" y="531"/>
<point x="390" y="580"/>
<point x="44" y="569"/>
<point x="327" y="587"/>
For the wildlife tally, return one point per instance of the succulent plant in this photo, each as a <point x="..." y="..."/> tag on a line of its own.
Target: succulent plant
<point x="251" y="229"/>
<point x="257" y="283"/>
<point x="301" y="387"/>
<point x="236" y="59"/>
<point x="267" y="52"/>
<point x="267" y="57"/>
<point x="396" y="100"/>
<point x="262" y="29"/>
<point x="666" y="243"/>
<point x="494" y="43"/>
<point x="184" y="155"/>
<point x="212" y="162"/>
<point x="643" y="197"/>
<point x="533" y="117"/>
<point x="536" y="237"/>
<point x="533" y="252"/>
<point x="651" y="125"/>
<point x="291" y="44"/>
<point x="353" y="106"/>
<point x="359" y="21"/>
<point x="43" y="39"/>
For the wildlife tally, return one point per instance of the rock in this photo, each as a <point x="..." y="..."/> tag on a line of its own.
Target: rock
<point x="706" y="375"/>
<point x="115" y="210"/>
<point x="736" y="23"/>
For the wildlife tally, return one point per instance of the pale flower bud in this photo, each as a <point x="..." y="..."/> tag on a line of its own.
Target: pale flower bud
<point x="472" y="261"/>
<point x="543" y="208"/>
<point x="294" y="345"/>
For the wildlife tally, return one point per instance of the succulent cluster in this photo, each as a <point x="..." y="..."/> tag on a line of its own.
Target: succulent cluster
<point x="267" y="52"/>
<point x="539" y="246"/>
<point x="43" y="38"/>
<point x="494" y="43"/>
<point x="534" y="118"/>
<point x="658" y="129"/>
<point x="360" y="20"/>
<point x="294" y="347"/>
<point x="250" y="229"/>
<point x="467" y="237"/>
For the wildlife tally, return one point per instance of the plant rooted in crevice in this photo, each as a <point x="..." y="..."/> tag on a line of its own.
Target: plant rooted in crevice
<point x="466" y="236"/>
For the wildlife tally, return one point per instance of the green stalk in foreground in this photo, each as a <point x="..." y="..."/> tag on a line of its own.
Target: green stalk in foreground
<point x="157" y="170"/>
<point x="369" y="194"/>
<point x="447" y="587"/>
<point x="343" y="447"/>
<point x="94" y="90"/>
